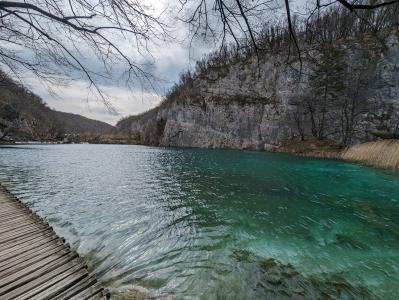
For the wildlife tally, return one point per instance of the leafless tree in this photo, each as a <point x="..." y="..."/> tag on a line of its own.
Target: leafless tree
<point x="241" y="18"/>
<point x="59" y="37"/>
<point x="62" y="35"/>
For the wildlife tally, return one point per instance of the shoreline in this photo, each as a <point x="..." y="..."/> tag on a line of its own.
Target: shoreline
<point x="382" y="154"/>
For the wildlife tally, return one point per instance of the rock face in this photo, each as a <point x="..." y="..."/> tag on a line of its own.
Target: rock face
<point x="233" y="125"/>
<point x="254" y="105"/>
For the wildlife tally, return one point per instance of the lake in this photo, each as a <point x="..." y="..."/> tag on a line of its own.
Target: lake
<point x="216" y="224"/>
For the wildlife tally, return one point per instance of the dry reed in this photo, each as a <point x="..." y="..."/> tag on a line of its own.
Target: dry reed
<point x="380" y="154"/>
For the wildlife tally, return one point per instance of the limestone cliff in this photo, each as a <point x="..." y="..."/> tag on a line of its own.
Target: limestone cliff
<point x="266" y="103"/>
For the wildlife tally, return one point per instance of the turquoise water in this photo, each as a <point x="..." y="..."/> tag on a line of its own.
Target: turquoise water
<point x="200" y="224"/>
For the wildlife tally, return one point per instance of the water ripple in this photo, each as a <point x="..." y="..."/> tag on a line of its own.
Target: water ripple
<point x="171" y="221"/>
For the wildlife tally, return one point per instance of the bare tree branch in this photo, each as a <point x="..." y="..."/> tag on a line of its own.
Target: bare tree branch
<point x="354" y="6"/>
<point x="60" y="37"/>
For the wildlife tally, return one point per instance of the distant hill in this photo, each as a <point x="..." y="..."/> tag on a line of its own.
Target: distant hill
<point x="73" y="123"/>
<point x="25" y="116"/>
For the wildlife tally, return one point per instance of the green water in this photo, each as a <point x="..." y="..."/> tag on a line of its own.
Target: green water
<point x="200" y="224"/>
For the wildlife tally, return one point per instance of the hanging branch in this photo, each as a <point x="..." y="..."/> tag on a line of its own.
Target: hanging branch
<point x="60" y="36"/>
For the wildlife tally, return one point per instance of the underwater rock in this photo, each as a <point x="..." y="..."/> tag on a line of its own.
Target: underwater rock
<point x="132" y="293"/>
<point x="241" y="255"/>
<point x="271" y="279"/>
<point x="349" y="242"/>
<point x="274" y="280"/>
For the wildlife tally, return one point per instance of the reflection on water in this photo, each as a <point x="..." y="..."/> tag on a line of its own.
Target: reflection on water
<point x="207" y="224"/>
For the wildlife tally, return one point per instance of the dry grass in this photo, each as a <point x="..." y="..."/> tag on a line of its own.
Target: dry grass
<point x="312" y="148"/>
<point x="380" y="154"/>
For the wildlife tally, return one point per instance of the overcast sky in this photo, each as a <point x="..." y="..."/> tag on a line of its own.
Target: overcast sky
<point x="168" y="60"/>
<point x="74" y="97"/>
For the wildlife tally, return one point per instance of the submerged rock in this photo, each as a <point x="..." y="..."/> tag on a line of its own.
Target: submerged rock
<point x="132" y="293"/>
<point x="349" y="242"/>
<point x="271" y="279"/>
<point x="243" y="255"/>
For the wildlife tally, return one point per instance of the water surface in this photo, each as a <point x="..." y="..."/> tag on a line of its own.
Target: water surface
<point x="183" y="222"/>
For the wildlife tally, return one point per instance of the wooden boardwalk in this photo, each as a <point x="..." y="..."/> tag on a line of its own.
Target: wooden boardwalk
<point x="34" y="262"/>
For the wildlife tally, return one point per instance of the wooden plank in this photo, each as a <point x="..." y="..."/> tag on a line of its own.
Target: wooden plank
<point x="17" y="226"/>
<point x="42" y="233"/>
<point x="62" y="286"/>
<point x="17" y="215"/>
<point x="18" y="235"/>
<point x="6" y="209"/>
<point x="8" y="225"/>
<point x="30" y="250"/>
<point x="25" y="261"/>
<point x="47" y="233"/>
<point x="18" y="249"/>
<point x="20" y="221"/>
<point x="34" y="262"/>
<point x="16" y="220"/>
<point x="32" y="271"/>
<point x="20" y="231"/>
<point x="52" y="284"/>
<point x="10" y="204"/>
<point x="25" y="285"/>
<point x="13" y="223"/>
<point x="13" y="204"/>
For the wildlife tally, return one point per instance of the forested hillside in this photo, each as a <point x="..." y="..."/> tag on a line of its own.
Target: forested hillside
<point x="25" y="117"/>
<point x="340" y="86"/>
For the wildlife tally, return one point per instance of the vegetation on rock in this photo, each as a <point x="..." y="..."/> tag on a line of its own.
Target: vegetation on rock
<point x="342" y="88"/>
